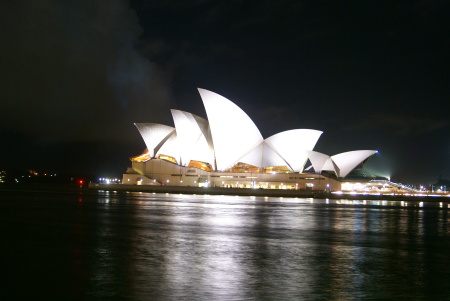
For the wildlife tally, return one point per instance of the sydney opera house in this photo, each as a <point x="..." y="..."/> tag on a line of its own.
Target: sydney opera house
<point x="228" y="150"/>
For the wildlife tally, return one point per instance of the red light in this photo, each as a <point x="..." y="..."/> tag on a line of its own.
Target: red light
<point x="81" y="182"/>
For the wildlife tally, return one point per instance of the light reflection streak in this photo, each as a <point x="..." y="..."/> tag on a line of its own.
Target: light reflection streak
<point x="221" y="247"/>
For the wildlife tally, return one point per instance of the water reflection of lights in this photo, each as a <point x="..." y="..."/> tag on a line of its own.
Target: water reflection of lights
<point x="349" y="202"/>
<point x="235" y="201"/>
<point x="210" y="241"/>
<point x="403" y="194"/>
<point x="216" y="248"/>
<point x="230" y="220"/>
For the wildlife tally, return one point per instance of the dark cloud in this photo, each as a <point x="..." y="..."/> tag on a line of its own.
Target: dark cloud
<point x="70" y="70"/>
<point x="369" y="75"/>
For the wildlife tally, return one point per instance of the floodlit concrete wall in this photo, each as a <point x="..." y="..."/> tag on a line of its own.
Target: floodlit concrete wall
<point x="164" y="173"/>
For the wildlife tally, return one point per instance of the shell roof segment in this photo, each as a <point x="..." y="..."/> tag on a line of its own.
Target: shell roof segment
<point x="350" y="160"/>
<point x="193" y="137"/>
<point x="342" y="164"/>
<point x="154" y="135"/>
<point x="229" y="136"/>
<point x="233" y="133"/>
<point x="291" y="145"/>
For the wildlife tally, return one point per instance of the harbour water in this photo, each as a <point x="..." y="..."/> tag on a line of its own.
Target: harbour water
<point x="99" y="245"/>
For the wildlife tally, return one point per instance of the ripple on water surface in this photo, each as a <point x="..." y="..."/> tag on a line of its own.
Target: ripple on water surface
<point x="139" y="246"/>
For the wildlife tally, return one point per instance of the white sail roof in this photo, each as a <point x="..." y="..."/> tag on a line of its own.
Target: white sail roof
<point x="229" y="136"/>
<point x="347" y="161"/>
<point x="320" y="161"/>
<point x="233" y="133"/>
<point x="342" y="164"/>
<point x="154" y="135"/>
<point x="262" y="156"/>
<point x="192" y="135"/>
<point x="170" y="148"/>
<point x="291" y="146"/>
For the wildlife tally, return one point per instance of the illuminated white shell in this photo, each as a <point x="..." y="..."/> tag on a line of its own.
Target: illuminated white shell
<point x="154" y="135"/>
<point x="193" y="137"/>
<point x="229" y="136"/>
<point x="342" y="164"/>
<point x="233" y="133"/>
<point x="347" y="161"/>
<point x="320" y="161"/>
<point x="291" y="146"/>
<point x="170" y="148"/>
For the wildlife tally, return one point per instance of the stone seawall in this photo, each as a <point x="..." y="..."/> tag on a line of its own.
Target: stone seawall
<point x="260" y="192"/>
<point x="206" y="190"/>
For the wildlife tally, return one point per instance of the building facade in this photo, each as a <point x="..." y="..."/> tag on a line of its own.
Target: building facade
<point x="227" y="150"/>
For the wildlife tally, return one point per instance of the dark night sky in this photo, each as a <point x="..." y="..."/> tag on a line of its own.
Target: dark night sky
<point x="76" y="75"/>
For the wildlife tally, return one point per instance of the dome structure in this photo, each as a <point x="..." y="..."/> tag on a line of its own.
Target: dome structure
<point x="291" y="145"/>
<point x="233" y="133"/>
<point x="154" y="135"/>
<point x="229" y="137"/>
<point x="341" y="164"/>
<point x="193" y="137"/>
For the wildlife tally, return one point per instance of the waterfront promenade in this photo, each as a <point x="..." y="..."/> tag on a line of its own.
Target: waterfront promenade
<point x="265" y="192"/>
